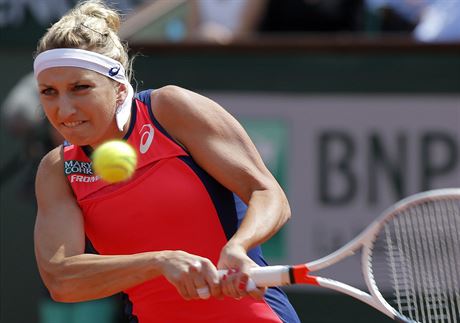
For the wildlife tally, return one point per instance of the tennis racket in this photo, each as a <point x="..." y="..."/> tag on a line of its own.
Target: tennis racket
<point x="415" y="245"/>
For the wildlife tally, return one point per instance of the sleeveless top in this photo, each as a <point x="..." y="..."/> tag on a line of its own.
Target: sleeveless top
<point x="169" y="204"/>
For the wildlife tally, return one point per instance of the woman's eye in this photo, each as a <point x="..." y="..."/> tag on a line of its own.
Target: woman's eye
<point x="80" y="87"/>
<point x="48" y="91"/>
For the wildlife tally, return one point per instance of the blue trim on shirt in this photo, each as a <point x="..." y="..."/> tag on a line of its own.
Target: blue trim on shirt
<point x="220" y="196"/>
<point x="279" y="303"/>
<point x="132" y="122"/>
<point x="145" y="97"/>
<point x="128" y="310"/>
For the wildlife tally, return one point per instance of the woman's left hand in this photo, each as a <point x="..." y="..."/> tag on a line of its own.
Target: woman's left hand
<point x="234" y="258"/>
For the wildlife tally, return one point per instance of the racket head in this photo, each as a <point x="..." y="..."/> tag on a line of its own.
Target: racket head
<point x="416" y="246"/>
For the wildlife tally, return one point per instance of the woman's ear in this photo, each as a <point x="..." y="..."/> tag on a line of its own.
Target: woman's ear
<point x="122" y="92"/>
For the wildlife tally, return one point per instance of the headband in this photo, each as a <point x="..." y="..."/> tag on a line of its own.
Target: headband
<point x="96" y="62"/>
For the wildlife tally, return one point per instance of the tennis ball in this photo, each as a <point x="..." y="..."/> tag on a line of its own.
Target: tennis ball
<point x="114" y="161"/>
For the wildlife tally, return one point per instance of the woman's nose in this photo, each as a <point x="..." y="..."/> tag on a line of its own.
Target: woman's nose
<point x="66" y="107"/>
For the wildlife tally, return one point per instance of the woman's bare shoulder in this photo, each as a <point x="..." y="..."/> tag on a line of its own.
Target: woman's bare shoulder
<point x="169" y="95"/>
<point x="51" y="162"/>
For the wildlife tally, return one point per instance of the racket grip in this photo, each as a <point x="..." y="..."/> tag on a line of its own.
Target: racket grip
<point x="259" y="277"/>
<point x="265" y="276"/>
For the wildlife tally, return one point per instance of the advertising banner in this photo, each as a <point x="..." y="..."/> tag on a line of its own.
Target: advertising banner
<point x="343" y="159"/>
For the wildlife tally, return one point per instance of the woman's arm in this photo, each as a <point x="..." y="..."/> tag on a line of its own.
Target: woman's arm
<point x="220" y="145"/>
<point x="71" y="275"/>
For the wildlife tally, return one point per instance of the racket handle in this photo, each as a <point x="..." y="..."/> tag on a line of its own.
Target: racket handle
<point x="259" y="277"/>
<point x="270" y="276"/>
<point x="265" y="276"/>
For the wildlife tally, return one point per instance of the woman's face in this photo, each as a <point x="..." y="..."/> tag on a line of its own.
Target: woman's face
<point x="80" y="104"/>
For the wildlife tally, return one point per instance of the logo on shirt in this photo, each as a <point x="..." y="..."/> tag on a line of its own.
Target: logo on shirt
<point x="146" y="138"/>
<point x="83" y="179"/>
<point x="77" y="167"/>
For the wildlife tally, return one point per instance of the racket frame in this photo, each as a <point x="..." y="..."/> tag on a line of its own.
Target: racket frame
<point x="300" y="274"/>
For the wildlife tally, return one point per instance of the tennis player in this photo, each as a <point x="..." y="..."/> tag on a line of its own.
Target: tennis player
<point x="201" y="197"/>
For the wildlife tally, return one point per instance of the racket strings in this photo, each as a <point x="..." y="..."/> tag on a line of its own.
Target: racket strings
<point x="418" y="251"/>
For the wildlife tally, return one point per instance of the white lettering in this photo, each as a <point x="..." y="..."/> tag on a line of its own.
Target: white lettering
<point x="83" y="179"/>
<point x="77" y="167"/>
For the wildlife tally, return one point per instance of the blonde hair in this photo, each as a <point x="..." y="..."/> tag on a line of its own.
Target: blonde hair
<point x="92" y="26"/>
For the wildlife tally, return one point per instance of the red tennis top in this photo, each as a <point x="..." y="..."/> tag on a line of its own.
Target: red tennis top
<point x="169" y="204"/>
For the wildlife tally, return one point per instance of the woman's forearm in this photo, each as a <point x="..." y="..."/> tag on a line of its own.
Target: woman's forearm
<point x="87" y="276"/>
<point x="268" y="211"/>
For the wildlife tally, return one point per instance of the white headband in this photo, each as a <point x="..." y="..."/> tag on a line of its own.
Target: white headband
<point x="101" y="64"/>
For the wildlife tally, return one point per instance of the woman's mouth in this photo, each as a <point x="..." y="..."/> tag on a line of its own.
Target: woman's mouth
<point x="72" y="124"/>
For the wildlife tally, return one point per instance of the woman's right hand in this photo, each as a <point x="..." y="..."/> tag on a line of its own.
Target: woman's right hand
<point x="188" y="273"/>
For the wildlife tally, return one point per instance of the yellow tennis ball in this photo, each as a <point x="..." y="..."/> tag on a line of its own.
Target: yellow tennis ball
<point x="114" y="161"/>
